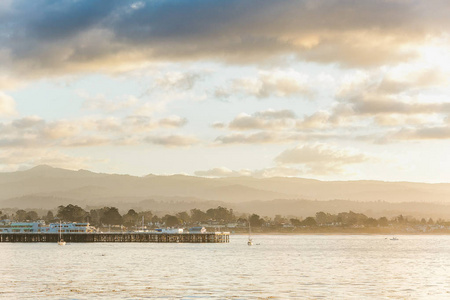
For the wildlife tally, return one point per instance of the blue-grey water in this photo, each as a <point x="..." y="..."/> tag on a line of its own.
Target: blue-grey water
<point x="280" y="267"/>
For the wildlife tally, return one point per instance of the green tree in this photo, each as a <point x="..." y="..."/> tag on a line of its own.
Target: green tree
<point x="309" y="221"/>
<point x="198" y="216"/>
<point x="171" y="221"/>
<point x="183" y="217"/>
<point x="321" y="218"/>
<point x="325" y="218"/>
<point x="279" y="220"/>
<point x="255" y="220"/>
<point x="156" y="219"/>
<point x="383" y="222"/>
<point x="94" y="217"/>
<point x="400" y="219"/>
<point x="21" y="215"/>
<point x="32" y="216"/>
<point x="295" y="222"/>
<point x="148" y="215"/>
<point x="370" y="222"/>
<point x="130" y="218"/>
<point x="49" y="217"/>
<point x="351" y="218"/>
<point x="111" y="216"/>
<point x="71" y="213"/>
<point x="220" y="214"/>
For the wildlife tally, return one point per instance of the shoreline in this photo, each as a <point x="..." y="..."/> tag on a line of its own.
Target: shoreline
<point x="344" y="232"/>
<point x="341" y="233"/>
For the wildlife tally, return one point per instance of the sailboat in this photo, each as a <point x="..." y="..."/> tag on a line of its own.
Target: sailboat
<point x="250" y="241"/>
<point x="61" y="242"/>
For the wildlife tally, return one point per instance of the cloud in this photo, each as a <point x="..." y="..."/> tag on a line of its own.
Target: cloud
<point x="262" y="173"/>
<point x="262" y="137"/>
<point x="86" y="141"/>
<point x="269" y="119"/>
<point x="319" y="119"/>
<point x="392" y="97"/>
<point x="321" y="159"/>
<point x="44" y="38"/>
<point x="12" y="160"/>
<point x="424" y="133"/>
<point x="278" y="83"/>
<point x="172" y="140"/>
<point x="32" y="131"/>
<point x="178" y="80"/>
<point x="28" y="122"/>
<point x="7" y="105"/>
<point x="101" y="103"/>
<point x="219" y="172"/>
<point x="173" y="121"/>
<point x="276" y="127"/>
<point x="279" y="171"/>
<point x="371" y="106"/>
<point x="218" y="125"/>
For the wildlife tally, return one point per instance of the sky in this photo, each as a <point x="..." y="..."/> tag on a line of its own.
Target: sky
<point x="323" y="89"/>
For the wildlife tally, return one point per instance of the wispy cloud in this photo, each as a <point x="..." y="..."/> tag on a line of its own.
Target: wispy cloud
<point x="101" y="103"/>
<point x="261" y="173"/>
<point x="7" y="105"/>
<point x="278" y="83"/>
<point x="12" y="160"/>
<point x="173" y="140"/>
<point x="262" y="137"/>
<point x="178" y="80"/>
<point x="33" y="131"/>
<point x="269" y="119"/>
<point x="321" y="159"/>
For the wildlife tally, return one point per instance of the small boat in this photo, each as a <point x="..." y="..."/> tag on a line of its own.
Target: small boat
<point x="61" y="241"/>
<point x="250" y="241"/>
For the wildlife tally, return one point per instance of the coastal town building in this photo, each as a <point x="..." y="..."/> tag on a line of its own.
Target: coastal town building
<point x="7" y="226"/>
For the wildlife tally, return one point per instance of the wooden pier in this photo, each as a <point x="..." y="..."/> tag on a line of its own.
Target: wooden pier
<point x="116" y="237"/>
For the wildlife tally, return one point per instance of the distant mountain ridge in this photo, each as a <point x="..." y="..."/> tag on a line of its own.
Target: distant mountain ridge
<point x="33" y="186"/>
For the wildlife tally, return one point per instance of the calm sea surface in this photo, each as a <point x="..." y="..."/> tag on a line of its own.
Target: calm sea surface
<point x="280" y="267"/>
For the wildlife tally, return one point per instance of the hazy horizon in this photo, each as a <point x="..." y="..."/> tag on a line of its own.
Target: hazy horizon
<point x="44" y="166"/>
<point x="44" y="187"/>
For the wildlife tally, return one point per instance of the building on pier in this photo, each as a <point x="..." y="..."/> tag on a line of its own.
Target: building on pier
<point x="7" y="226"/>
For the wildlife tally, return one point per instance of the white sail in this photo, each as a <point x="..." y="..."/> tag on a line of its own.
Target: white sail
<point x="250" y="241"/>
<point x="61" y="242"/>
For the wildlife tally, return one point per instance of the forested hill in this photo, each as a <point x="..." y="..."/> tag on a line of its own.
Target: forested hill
<point x="46" y="187"/>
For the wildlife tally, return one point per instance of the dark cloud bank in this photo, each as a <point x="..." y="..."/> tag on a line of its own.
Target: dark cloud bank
<point x="41" y="37"/>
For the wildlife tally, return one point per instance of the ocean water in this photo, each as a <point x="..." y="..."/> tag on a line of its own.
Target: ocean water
<point x="280" y="267"/>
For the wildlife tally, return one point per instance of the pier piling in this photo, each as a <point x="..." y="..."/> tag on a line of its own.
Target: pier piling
<point x="116" y="237"/>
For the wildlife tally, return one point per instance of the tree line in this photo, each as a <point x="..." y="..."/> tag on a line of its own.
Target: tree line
<point x="111" y="216"/>
<point x="219" y="216"/>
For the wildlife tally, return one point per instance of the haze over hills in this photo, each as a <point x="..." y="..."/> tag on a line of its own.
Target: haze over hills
<point x="45" y="187"/>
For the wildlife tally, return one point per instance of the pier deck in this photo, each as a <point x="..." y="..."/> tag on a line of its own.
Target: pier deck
<point x="116" y="237"/>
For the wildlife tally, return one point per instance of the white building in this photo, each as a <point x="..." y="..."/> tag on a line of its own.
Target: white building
<point x="39" y="226"/>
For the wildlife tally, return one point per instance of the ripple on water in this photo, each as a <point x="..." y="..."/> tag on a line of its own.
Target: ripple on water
<point x="350" y="267"/>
